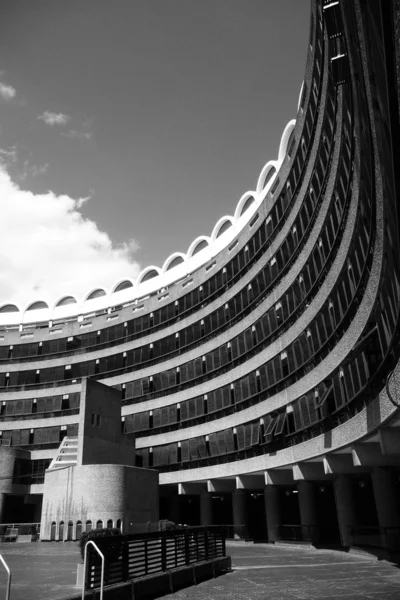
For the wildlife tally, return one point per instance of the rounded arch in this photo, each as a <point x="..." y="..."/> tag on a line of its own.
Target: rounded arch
<point x="88" y="525"/>
<point x="122" y="285"/>
<point x="285" y="139"/>
<point x="70" y="531"/>
<point x="198" y="245"/>
<point x="109" y="524"/>
<point x="268" y="171"/>
<point x="53" y="531"/>
<point x="39" y="305"/>
<point x="299" y="102"/>
<point x="244" y="204"/>
<point x="99" y="524"/>
<point x="65" y="300"/>
<point x="175" y="259"/>
<point x="78" y="531"/>
<point x="9" y="308"/>
<point x="61" y="531"/>
<point x="97" y="293"/>
<point x="148" y="273"/>
<point x="222" y="225"/>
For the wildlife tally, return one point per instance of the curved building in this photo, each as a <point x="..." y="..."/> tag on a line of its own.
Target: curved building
<point x="259" y="371"/>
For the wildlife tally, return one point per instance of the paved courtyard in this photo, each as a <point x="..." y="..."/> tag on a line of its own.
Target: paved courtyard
<point x="260" y="572"/>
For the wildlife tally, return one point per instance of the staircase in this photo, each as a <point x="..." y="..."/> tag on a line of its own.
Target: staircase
<point x="66" y="455"/>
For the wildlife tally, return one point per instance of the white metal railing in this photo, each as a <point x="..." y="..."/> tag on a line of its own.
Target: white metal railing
<point x="8" y="590"/>
<point x="84" y="570"/>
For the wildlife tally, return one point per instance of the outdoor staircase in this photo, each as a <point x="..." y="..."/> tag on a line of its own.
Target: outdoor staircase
<point x="67" y="454"/>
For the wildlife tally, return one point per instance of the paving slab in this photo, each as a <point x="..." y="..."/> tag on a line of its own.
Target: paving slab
<point x="260" y="572"/>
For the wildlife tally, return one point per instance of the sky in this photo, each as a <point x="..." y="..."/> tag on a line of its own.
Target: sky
<point x="128" y="128"/>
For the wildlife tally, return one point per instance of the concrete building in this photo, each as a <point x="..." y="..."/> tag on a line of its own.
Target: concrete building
<point x="260" y="370"/>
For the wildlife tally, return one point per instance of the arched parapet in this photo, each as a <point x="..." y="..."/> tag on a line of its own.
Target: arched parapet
<point x="267" y="177"/>
<point x="65" y="306"/>
<point x="122" y="285"/>
<point x="10" y="314"/>
<point x="175" y="267"/>
<point x="223" y="225"/>
<point x="148" y="281"/>
<point x="283" y="146"/>
<point x="246" y="205"/>
<point x="96" y="299"/>
<point x="199" y="252"/>
<point x="37" y="311"/>
<point x="198" y="245"/>
<point x="174" y="261"/>
<point x="122" y="291"/>
<point x="300" y="100"/>
<point x="147" y="274"/>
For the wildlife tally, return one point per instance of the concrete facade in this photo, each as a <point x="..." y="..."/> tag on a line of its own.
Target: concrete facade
<point x="103" y="488"/>
<point x="259" y="376"/>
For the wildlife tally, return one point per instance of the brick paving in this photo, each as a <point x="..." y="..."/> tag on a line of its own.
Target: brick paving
<point x="260" y="572"/>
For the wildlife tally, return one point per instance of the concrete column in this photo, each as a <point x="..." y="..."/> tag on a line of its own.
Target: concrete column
<point x="308" y="511"/>
<point x="386" y="506"/>
<point x="239" y="513"/>
<point x="272" y="511"/>
<point x="346" y="509"/>
<point x="206" y="516"/>
<point x="2" y="505"/>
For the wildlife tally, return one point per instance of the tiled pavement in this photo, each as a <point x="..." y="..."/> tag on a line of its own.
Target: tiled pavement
<point x="263" y="572"/>
<point x="260" y="572"/>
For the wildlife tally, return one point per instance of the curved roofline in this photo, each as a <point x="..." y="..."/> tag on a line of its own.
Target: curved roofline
<point x="104" y="289"/>
<point x="190" y="261"/>
<point x="220" y="224"/>
<point x="144" y="272"/>
<point x="171" y="258"/>
<point x="117" y="283"/>
<point x="62" y="298"/>
<point x="195" y="243"/>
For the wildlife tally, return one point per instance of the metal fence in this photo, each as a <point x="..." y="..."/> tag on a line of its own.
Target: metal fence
<point x="131" y="556"/>
<point x="375" y="537"/>
<point x="23" y="528"/>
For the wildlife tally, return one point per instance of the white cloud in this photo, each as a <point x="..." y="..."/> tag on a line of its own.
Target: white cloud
<point x="47" y="248"/>
<point x="7" y="92"/>
<point x="31" y="170"/>
<point x="52" y="118"/>
<point x="9" y="156"/>
<point x="39" y="169"/>
<point x="79" y="135"/>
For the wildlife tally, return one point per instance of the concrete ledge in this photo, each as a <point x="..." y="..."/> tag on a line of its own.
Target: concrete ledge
<point x="159" y="584"/>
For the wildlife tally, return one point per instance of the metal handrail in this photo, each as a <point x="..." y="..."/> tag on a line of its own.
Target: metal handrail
<point x="8" y="590"/>
<point x="84" y="569"/>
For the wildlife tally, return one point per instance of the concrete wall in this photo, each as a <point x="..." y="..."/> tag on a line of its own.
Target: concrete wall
<point x="94" y="492"/>
<point x="100" y="440"/>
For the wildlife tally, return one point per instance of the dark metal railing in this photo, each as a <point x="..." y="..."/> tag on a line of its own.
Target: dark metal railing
<point x="137" y="555"/>
<point x="370" y="536"/>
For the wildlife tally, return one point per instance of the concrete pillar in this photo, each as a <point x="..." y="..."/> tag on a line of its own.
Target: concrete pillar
<point x="308" y="511"/>
<point x="206" y="516"/>
<point x="345" y="507"/>
<point x="272" y="511"/>
<point x="239" y="498"/>
<point x="386" y="506"/>
<point x="2" y="505"/>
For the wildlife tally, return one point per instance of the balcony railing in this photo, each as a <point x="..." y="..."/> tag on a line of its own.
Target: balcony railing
<point x="128" y="557"/>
